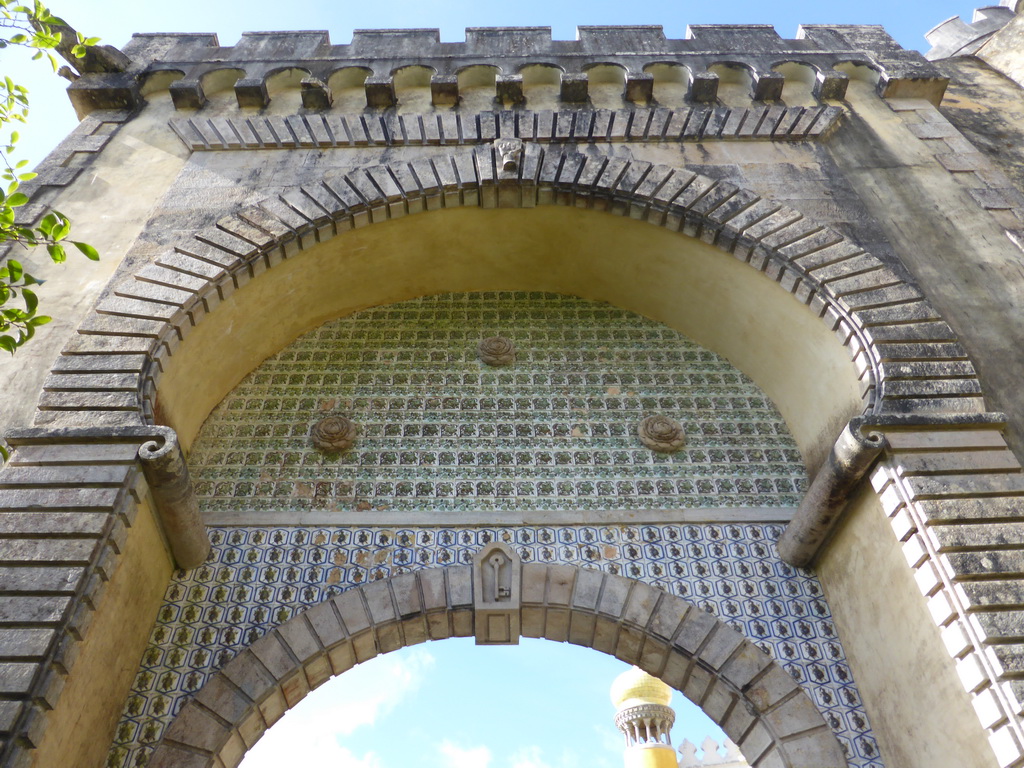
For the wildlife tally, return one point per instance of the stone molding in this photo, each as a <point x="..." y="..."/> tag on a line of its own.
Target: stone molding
<point x="749" y="695"/>
<point x="776" y="123"/>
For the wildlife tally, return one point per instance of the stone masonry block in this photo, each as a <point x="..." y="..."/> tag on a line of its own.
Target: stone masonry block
<point x="746" y="662"/>
<point x="509" y="89"/>
<point x="771" y="688"/>
<point x="196" y="727"/>
<point x="703" y="87"/>
<point x="639" y="88"/>
<point x="273" y="654"/>
<point x="723" y="641"/>
<point x="819" y="749"/>
<point x="641" y="604"/>
<point x="613" y="598"/>
<point x="380" y="91"/>
<point x="581" y="629"/>
<point x="717" y="702"/>
<point x="223" y="699"/>
<point x="796" y="715"/>
<point x="325" y="624"/>
<point x="560" y="584"/>
<point x="407" y="595"/>
<point x="299" y="638"/>
<point x="378" y="600"/>
<point x="432" y="585"/>
<point x="250" y="676"/>
<point x="460" y="586"/>
<point x="352" y="611"/>
<point x="697" y="684"/>
<point x="696" y="626"/>
<point x="252" y="92"/>
<point x="756" y="742"/>
<point x="588" y="589"/>
<point x="444" y="90"/>
<point x="574" y="88"/>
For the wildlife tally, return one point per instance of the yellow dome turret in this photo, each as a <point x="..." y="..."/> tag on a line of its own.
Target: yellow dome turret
<point x="635" y="687"/>
<point x="644" y="717"/>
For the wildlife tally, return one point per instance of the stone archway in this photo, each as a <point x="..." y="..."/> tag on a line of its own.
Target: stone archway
<point x="756" y="703"/>
<point x="882" y="323"/>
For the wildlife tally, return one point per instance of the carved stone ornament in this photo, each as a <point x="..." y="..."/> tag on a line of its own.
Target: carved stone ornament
<point x="510" y="151"/>
<point x="661" y="434"/>
<point x="334" y="434"/>
<point x="497" y="350"/>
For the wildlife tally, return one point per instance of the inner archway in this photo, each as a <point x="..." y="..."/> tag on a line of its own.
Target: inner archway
<point x="437" y="705"/>
<point x="757" y="704"/>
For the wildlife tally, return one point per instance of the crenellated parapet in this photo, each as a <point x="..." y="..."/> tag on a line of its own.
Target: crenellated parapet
<point x="955" y="37"/>
<point x="509" y="60"/>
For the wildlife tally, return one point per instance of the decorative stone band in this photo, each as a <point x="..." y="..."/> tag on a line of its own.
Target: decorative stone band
<point x="778" y="123"/>
<point x="954" y="494"/>
<point x="753" y="699"/>
<point x="166" y="473"/>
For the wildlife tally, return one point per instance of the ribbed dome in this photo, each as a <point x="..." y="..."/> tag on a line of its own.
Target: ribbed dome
<point x="634" y="687"/>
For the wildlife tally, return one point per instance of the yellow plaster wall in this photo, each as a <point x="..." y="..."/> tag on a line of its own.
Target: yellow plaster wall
<point x="81" y="727"/>
<point x="919" y="711"/>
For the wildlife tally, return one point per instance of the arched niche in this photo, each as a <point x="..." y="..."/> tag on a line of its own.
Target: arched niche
<point x="758" y="705"/>
<point x="706" y="294"/>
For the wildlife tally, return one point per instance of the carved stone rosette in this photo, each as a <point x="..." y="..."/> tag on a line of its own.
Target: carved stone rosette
<point x="497" y="350"/>
<point x="334" y="434"/>
<point x="661" y="434"/>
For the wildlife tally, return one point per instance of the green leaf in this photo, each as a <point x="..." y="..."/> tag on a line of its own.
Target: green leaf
<point x="15" y="270"/>
<point x="5" y="454"/>
<point x="88" y="250"/>
<point x="39" y="320"/>
<point x="57" y="253"/>
<point x="31" y="301"/>
<point x="8" y="343"/>
<point x="18" y="198"/>
<point x="47" y="224"/>
<point x="27" y="176"/>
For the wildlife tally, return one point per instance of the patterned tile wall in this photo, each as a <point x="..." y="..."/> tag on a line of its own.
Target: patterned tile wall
<point x="258" y="578"/>
<point x="443" y="431"/>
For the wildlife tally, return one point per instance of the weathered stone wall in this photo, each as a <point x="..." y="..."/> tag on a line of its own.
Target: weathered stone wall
<point x="817" y="222"/>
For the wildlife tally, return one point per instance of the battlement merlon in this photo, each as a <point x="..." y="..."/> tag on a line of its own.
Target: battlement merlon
<point x="382" y="53"/>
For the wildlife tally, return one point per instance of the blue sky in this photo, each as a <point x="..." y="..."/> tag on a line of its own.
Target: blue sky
<point x="437" y="704"/>
<point x="452" y="704"/>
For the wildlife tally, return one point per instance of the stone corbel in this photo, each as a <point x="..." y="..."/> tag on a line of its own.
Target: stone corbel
<point x="854" y="453"/>
<point x="165" y="469"/>
<point x="825" y="501"/>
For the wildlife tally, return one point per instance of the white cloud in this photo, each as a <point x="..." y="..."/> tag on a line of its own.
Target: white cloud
<point x="532" y="757"/>
<point x="528" y="757"/>
<point x="311" y="733"/>
<point x="456" y="756"/>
